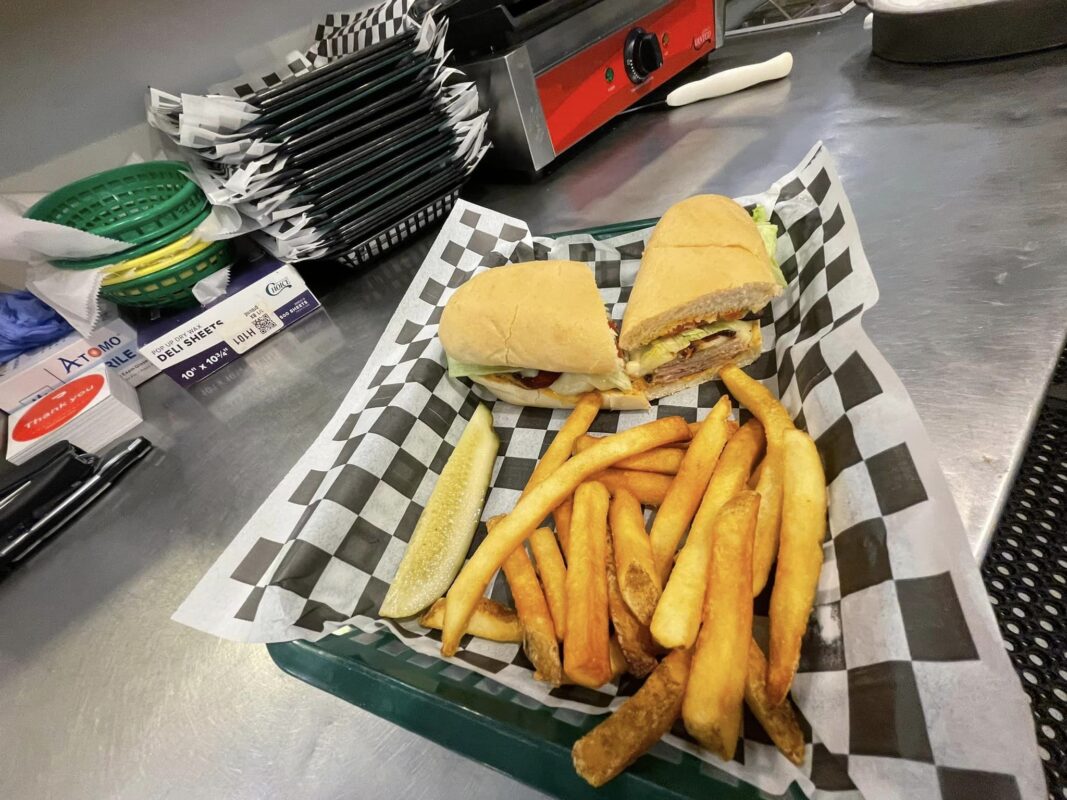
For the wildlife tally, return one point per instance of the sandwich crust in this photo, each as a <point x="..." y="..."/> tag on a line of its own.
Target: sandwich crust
<point x="544" y="315"/>
<point x="678" y="287"/>
<point x="707" y="220"/>
<point x="704" y="261"/>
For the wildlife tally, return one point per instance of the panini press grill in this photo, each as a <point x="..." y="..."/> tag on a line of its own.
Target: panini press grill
<point x="553" y="71"/>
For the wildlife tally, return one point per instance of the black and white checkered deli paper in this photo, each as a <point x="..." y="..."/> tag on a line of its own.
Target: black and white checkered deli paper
<point x="904" y="681"/>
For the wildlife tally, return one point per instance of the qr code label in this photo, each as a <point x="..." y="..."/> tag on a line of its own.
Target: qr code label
<point x="254" y="324"/>
<point x="264" y="324"/>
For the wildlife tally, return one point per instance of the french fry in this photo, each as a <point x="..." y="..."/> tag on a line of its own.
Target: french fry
<point x="619" y="667"/>
<point x="490" y="620"/>
<point x="754" y="396"/>
<point x="649" y="488"/>
<point x="683" y="497"/>
<point x="776" y="421"/>
<point x="799" y="558"/>
<point x="538" y="633"/>
<point x="731" y="427"/>
<point x="633" y="637"/>
<point x="618" y="659"/>
<point x="754" y="480"/>
<point x="632" y="557"/>
<point x="677" y="617"/>
<point x="713" y="699"/>
<point x="664" y="460"/>
<point x="778" y="721"/>
<point x="769" y="521"/>
<point x="586" y="654"/>
<point x="553" y="576"/>
<point x="577" y="423"/>
<point x="535" y="506"/>
<point x="562" y="517"/>
<point x="638" y="723"/>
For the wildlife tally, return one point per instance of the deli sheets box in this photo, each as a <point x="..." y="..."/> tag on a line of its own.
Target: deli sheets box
<point x="263" y="298"/>
<point x="35" y="373"/>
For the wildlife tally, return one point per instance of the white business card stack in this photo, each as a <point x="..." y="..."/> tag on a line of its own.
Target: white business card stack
<point x="90" y="411"/>
<point x="34" y="374"/>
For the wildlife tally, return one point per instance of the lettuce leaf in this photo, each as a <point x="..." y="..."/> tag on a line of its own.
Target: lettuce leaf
<point x="457" y="369"/>
<point x="769" y="233"/>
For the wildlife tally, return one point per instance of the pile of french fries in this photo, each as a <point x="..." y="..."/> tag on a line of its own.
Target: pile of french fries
<point x="602" y="596"/>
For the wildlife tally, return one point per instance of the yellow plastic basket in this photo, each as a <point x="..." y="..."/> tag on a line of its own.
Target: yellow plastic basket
<point x="173" y="286"/>
<point x="160" y="259"/>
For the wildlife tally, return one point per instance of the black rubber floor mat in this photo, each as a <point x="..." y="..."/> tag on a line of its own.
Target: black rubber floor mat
<point x="1025" y="573"/>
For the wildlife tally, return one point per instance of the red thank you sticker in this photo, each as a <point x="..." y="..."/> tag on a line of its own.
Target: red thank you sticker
<point x="54" y="410"/>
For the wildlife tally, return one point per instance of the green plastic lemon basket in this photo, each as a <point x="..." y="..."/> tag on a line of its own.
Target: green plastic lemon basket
<point x="134" y="252"/>
<point x="136" y="203"/>
<point x="173" y="286"/>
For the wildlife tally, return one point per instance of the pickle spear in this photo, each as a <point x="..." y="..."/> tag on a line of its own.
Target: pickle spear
<point x="446" y="527"/>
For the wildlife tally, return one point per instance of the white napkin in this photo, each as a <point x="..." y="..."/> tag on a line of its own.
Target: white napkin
<point x="29" y="240"/>
<point x="75" y="294"/>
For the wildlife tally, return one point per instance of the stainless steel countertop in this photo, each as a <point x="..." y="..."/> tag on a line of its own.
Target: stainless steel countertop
<point x="957" y="178"/>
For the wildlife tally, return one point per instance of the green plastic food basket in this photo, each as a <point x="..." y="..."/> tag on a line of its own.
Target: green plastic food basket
<point x="487" y="721"/>
<point x="133" y="252"/>
<point x="136" y="203"/>
<point x="173" y="286"/>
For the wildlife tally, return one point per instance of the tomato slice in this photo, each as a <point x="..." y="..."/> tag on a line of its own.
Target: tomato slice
<point x="542" y="380"/>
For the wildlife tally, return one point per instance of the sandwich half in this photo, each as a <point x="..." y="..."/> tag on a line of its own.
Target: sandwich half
<point x="707" y="266"/>
<point x="536" y="334"/>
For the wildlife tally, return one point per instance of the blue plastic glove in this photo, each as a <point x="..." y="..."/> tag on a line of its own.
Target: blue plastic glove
<point x="27" y="323"/>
